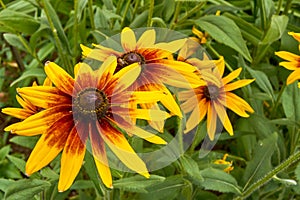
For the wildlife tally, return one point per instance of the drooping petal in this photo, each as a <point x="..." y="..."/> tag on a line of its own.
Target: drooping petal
<point x="221" y="112"/>
<point x="231" y="76"/>
<point x="128" y="39"/>
<point x="99" y="154"/>
<point x="61" y="79"/>
<point x="147" y="39"/>
<point x="237" y="84"/>
<point x="44" y="96"/>
<point x="211" y="121"/>
<point x="196" y="116"/>
<point x="295" y="75"/>
<point x="121" y="148"/>
<point x="71" y="160"/>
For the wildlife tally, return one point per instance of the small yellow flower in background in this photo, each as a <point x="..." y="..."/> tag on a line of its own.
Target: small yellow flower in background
<point x="212" y="99"/>
<point x="201" y="37"/>
<point x="293" y="61"/>
<point x="228" y="164"/>
<point x="157" y="63"/>
<point x="92" y="106"/>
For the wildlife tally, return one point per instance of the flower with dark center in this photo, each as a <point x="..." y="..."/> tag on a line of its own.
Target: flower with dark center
<point x="213" y="99"/>
<point x="92" y="107"/>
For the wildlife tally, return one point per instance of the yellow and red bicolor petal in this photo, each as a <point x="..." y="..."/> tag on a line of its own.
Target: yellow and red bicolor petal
<point x="26" y="104"/>
<point x="85" y="78"/>
<point x="121" y="148"/>
<point x="231" y="76"/>
<point x="19" y="113"/>
<point x="237" y="105"/>
<point x="99" y="154"/>
<point x="134" y="130"/>
<point x="287" y="56"/>
<point x="40" y="122"/>
<point x="153" y="54"/>
<point x="125" y="77"/>
<point x="106" y="71"/>
<point x="147" y="39"/>
<point x="221" y="112"/>
<point x="237" y="84"/>
<point x="211" y="121"/>
<point x="128" y="39"/>
<point x="72" y="158"/>
<point x="100" y="53"/>
<point x="61" y="79"/>
<point x="147" y="114"/>
<point x="49" y="145"/>
<point x="295" y="75"/>
<point x="44" y="96"/>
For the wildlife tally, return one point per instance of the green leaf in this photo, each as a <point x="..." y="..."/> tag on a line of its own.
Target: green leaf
<point x="274" y="33"/>
<point x="220" y="181"/>
<point x="25" y="189"/>
<point x="2" y="73"/>
<point x="18" y="162"/>
<point x="25" y="141"/>
<point x="225" y="31"/>
<point x="5" y="183"/>
<point x="138" y="183"/>
<point x="192" y="169"/>
<point x="18" y="21"/>
<point x="34" y="72"/>
<point x="82" y="184"/>
<point x="297" y="172"/>
<point x="290" y="102"/>
<point x="262" y="81"/>
<point x="261" y="162"/>
<point x="15" y="41"/>
<point x="49" y="173"/>
<point x="4" y="152"/>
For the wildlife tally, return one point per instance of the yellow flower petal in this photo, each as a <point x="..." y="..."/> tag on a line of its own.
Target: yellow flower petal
<point x="221" y="112"/>
<point x="295" y="75"/>
<point x="128" y="39"/>
<point x="121" y="148"/>
<point x="147" y="39"/>
<point x="71" y="160"/>
<point x="211" y="121"/>
<point x="287" y="56"/>
<point x="19" y="113"/>
<point x="158" y="124"/>
<point x="231" y="76"/>
<point x="295" y="35"/>
<point x="238" y="84"/>
<point x="237" y="105"/>
<point x="171" y="46"/>
<point x="61" y="79"/>
<point x="292" y="65"/>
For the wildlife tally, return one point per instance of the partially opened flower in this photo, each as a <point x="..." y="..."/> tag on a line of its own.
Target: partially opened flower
<point x="292" y="63"/>
<point x="27" y="109"/>
<point x="212" y="99"/>
<point x="93" y="107"/>
<point x="158" y="66"/>
<point x="228" y="165"/>
<point x="201" y="37"/>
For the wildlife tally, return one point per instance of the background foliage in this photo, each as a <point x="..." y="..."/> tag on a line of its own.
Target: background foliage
<point x="264" y="147"/>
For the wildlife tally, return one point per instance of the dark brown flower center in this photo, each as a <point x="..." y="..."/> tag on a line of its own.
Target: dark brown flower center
<point x="128" y="59"/>
<point x="211" y="92"/>
<point x="91" y="103"/>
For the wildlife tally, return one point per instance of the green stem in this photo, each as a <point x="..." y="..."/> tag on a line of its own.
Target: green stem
<point x="137" y="3"/>
<point x="292" y="159"/>
<point x="150" y="14"/>
<point x="61" y="53"/>
<point x="175" y="17"/>
<point x="218" y="55"/>
<point x="278" y="7"/>
<point x="91" y="14"/>
<point x="75" y="30"/>
<point x="2" y="4"/>
<point x="287" y="7"/>
<point x="191" y="12"/>
<point x="125" y="12"/>
<point x="274" y="110"/>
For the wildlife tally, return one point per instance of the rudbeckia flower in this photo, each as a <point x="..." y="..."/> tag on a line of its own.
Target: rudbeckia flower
<point x="88" y="109"/>
<point x="292" y="63"/>
<point x="27" y="109"/>
<point x="212" y="99"/>
<point x="158" y="66"/>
